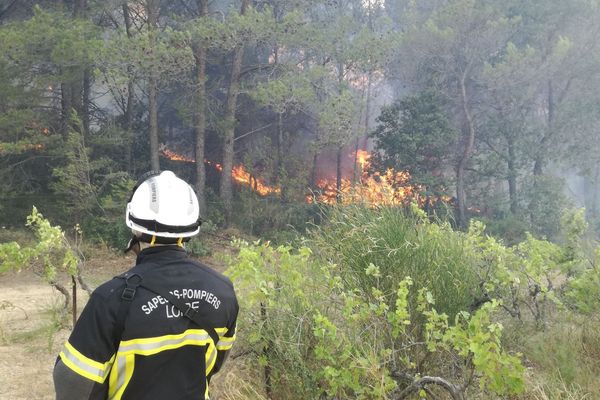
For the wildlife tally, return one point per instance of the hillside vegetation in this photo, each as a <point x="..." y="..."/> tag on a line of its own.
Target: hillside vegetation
<point x="385" y="304"/>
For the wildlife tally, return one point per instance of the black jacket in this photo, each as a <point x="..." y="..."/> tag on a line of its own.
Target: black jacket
<point x="155" y="352"/>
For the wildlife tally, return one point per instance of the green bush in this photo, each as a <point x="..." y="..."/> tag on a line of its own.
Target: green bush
<point x="316" y="336"/>
<point x="400" y="243"/>
<point x="107" y="224"/>
<point x="271" y="218"/>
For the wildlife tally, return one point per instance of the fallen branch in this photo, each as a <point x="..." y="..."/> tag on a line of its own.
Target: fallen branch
<point x="64" y="292"/>
<point x="456" y="392"/>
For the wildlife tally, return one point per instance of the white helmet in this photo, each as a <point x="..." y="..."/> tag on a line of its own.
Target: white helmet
<point x="163" y="208"/>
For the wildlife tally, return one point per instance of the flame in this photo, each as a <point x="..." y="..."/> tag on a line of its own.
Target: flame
<point x="171" y="155"/>
<point x="363" y="159"/>
<point x="239" y="173"/>
<point x="242" y="176"/>
<point x="389" y="188"/>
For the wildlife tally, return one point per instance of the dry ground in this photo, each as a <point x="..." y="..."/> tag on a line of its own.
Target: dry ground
<point x="29" y="338"/>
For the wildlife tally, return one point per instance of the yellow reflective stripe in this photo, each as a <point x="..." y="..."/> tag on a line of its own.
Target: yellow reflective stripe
<point x="120" y="378"/>
<point x="113" y="378"/>
<point x="210" y="358"/>
<point x="149" y="346"/>
<point x="122" y="370"/>
<point x="85" y="366"/>
<point x="225" y="343"/>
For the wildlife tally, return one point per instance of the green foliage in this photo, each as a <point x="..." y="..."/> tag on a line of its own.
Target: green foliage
<point x="286" y="93"/>
<point x="197" y="247"/>
<point x="315" y="334"/>
<point x="73" y="178"/>
<point x="522" y="276"/>
<point x="400" y="243"/>
<point x="337" y="117"/>
<point x="546" y="202"/>
<point x="511" y="228"/>
<point x="279" y="296"/>
<point x="272" y="219"/>
<point x="413" y="135"/>
<point x="49" y="39"/>
<point x="147" y="54"/>
<point x="51" y="251"/>
<point x="565" y="357"/>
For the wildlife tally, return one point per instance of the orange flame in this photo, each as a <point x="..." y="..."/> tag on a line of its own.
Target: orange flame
<point x="363" y="159"/>
<point x="171" y="155"/>
<point x="390" y="188"/>
<point x="239" y="173"/>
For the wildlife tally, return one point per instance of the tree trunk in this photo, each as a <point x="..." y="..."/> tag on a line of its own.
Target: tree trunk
<point x="66" y="107"/>
<point x="226" y="187"/>
<point x="312" y="179"/>
<point x="357" y="175"/>
<point x="338" y="175"/>
<point x="153" y="110"/>
<point x="281" y="171"/>
<point x="540" y="158"/>
<point x="128" y="116"/>
<point x="152" y="12"/>
<point x="76" y="72"/>
<point x="512" y="176"/>
<point x="467" y="151"/>
<point x="87" y="89"/>
<point x="200" y="57"/>
<point x="590" y="193"/>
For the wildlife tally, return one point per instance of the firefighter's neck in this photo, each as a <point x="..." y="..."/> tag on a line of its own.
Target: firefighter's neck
<point x="144" y="245"/>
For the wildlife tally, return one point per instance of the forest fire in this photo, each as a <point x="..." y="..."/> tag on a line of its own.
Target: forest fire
<point x="239" y="173"/>
<point x="389" y="188"/>
<point x="362" y="159"/>
<point x="171" y="155"/>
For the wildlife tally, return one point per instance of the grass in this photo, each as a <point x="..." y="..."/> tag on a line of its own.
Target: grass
<point x="563" y="360"/>
<point x="401" y="245"/>
<point x="53" y="318"/>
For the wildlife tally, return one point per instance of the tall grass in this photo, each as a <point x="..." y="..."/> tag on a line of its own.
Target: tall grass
<point x="565" y="357"/>
<point x="400" y="243"/>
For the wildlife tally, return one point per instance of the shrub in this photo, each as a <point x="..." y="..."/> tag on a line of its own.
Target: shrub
<point x="400" y="243"/>
<point x="315" y="335"/>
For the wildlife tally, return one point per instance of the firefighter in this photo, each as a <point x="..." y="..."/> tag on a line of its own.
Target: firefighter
<point x="162" y="329"/>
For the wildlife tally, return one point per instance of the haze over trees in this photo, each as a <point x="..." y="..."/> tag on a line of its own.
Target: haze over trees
<point x="489" y="104"/>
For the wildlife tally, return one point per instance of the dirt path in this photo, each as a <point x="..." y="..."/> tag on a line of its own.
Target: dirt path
<point x="28" y="342"/>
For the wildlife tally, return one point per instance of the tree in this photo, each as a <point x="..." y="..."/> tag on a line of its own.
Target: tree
<point x="37" y="53"/>
<point x="152" y="12"/>
<point x="150" y="54"/>
<point x="450" y="51"/>
<point x="229" y="118"/>
<point x="413" y="135"/>
<point x="200" y="49"/>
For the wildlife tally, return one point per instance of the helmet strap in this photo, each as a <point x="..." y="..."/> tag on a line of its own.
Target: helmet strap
<point x="155" y="240"/>
<point x="133" y="245"/>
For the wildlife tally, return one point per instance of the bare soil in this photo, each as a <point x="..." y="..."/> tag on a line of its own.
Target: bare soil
<point x="34" y="327"/>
